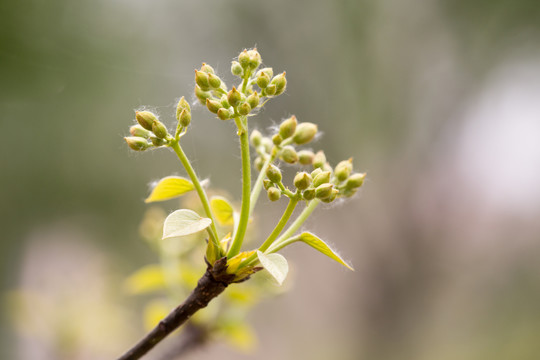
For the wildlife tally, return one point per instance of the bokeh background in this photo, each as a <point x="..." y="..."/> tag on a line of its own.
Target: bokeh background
<point x="439" y="101"/>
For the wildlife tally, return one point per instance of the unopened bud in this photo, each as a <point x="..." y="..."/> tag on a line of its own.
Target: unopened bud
<point x="244" y="109"/>
<point x="276" y="139"/>
<point x="267" y="184"/>
<point x="255" y="138"/>
<point x="267" y="143"/>
<point x="139" y="131"/>
<point x="263" y="80"/>
<point x="319" y="160"/>
<point x="214" y="81"/>
<point x="201" y="79"/>
<point x="289" y="155"/>
<point x="316" y="172"/>
<point x="182" y="105"/>
<point x="273" y="174"/>
<point x="302" y="180"/>
<point x="254" y="59"/>
<point x="343" y="169"/>
<point x="157" y="141"/>
<point x="321" y="178"/>
<point x="333" y="195"/>
<point x="324" y="191"/>
<point x="309" y="194"/>
<point x="224" y="114"/>
<point x="281" y="83"/>
<point x="355" y="181"/>
<point x="207" y="69"/>
<point x="267" y="70"/>
<point x="201" y="94"/>
<point x="243" y="59"/>
<point x="305" y="132"/>
<point x="236" y="68"/>
<point x="137" y="143"/>
<point x="234" y="96"/>
<point x="327" y="167"/>
<point x="225" y="101"/>
<point x="274" y="194"/>
<point x="159" y="129"/>
<point x="305" y="157"/>
<point x="213" y="105"/>
<point x="258" y="163"/>
<point x="145" y="119"/>
<point x="185" y="118"/>
<point x="288" y="127"/>
<point x="253" y="100"/>
<point x="271" y="90"/>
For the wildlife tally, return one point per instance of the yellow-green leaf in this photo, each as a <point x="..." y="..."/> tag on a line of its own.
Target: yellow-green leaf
<point x="222" y="210"/>
<point x="168" y="188"/>
<point x="147" y="279"/>
<point x="275" y="264"/>
<point x="322" y="247"/>
<point x="184" y="222"/>
<point x="240" y="335"/>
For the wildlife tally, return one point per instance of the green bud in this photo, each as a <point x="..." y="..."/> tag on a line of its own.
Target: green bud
<point x="145" y="119"/>
<point x="289" y="155"/>
<point x="305" y="132"/>
<point x="254" y="58"/>
<point x="243" y="59"/>
<point x="213" y="105"/>
<point x="276" y="139"/>
<point x="236" y="69"/>
<point x="159" y="129"/>
<point x="267" y="184"/>
<point x="273" y="174"/>
<point x="225" y="101"/>
<point x="137" y="143"/>
<point x="327" y="167"/>
<point x="348" y="192"/>
<point x="324" y="191"/>
<point x="201" y="79"/>
<point x="343" y="169"/>
<point x="288" y="127"/>
<point x="267" y="143"/>
<point x="305" y="157"/>
<point x="244" y="109"/>
<point x="214" y="81"/>
<point x="255" y="138"/>
<point x="316" y="172"/>
<point x="263" y="80"/>
<point x="333" y="195"/>
<point x="274" y="194"/>
<point x="182" y="105"/>
<point x="224" y="114"/>
<point x="321" y="178"/>
<point x="319" y="160"/>
<point x="139" y="131"/>
<point x="309" y="194"/>
<point x="267" y="71"/>
<point x="234" y="96"/>
<point x="201" y="94"/>
<point x="207" y="69"/>
<point x="281" y="83"/>
<point x="258" y="163"/>
<point x="271" y="89"/>
<point x="253" y="100"/>
<point x="185" y="118"/>
<point x="302" y="180"/>
<point x="157" y="141"/>
<point x="355" y="181"/>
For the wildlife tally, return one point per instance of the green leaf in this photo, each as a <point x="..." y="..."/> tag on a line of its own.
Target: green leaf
<point x="168" y="188"/>
<point x="222" y="210"/>
<point x="321" y="246"/>
<point x="275" y="264"/>
<point x="184" y="222"/>
<point x="147" y="279"/>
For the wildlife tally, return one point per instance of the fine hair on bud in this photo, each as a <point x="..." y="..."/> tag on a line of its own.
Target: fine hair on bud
<point x="319" y="159"/>
<point x="145" y="119"/>
<point x="288" y="127"/>
<point x="255" y="138"/>
<point x="289" y="155"/>
<point x="137" y="143"/>
<point x="274" y="174"/>
<point x="305" y="132"/>
<point x="305" y="157"/>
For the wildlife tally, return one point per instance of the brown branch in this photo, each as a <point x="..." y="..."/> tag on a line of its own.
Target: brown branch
<point x="192" y="337"/>
<point x="212" y="283"/>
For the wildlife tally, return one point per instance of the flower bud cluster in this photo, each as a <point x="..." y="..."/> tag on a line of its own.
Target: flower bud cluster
<point x="273" y="182"/>
<point x="148" y="132"/>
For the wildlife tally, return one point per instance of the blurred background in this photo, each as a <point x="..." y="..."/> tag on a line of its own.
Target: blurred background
<point x="438" y="101"/>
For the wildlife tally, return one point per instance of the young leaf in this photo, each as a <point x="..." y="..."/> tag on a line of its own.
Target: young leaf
<point x="168" y="188"/>
<point x="321" y="246"/>
<point x="223" y="210"/>
<point x="184" y="222"/>
<point x="275" y="264"/>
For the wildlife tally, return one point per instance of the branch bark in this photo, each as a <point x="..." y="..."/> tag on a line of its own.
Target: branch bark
<point x="214" y="281"/>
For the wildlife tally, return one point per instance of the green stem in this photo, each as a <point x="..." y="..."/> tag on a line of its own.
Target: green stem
<point x="280" y="225"/>
<point x="259" y="183"/>
<point x="282" y="244"/>
<point x="246" y="187"/>
<point x="175" y="145"/>
<point x="298" y="222"/>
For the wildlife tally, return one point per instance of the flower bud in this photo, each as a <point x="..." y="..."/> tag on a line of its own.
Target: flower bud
<point x="316" y="172"/>
<point x="321" y="178"/>
<point x="309" y="194"/>
<point x="214" y="81"/>
<point x="201" y="94"/>
<point x="236" y="68"/>
<point x="139" y="131"/>
<point x="243" y="59"/>
<point x="274" y="194"/>
<point x="305" y="132"/>
<point x="201" y="79"/>
<point x="213" y="105"/>
<point x="267" y="184"/>
<point x="302" y="180"/>
<point x="137" y="143"/>
<point x="273" y="174"/>
<point x="207" y="68"/>
<point x="288" y="127"/>
<point x="333" y="195"/>
<point x="224" y="101"/>
<point x="276" y="139"/>
<point x="234" y="96"/>
<point x="305" y="157"/>
<point x="185" y="118"/>
<point x="244" y="109"/>
<point x="224" y="114"/>
<point x="324" y="191"/>
<point x="263" y="80"/>
<point x="319" y="160"/>
<point x="289" y="155"/>
<point x="343" y="169"/>
<point x="267" y="70"/>
<point x="253" y="100"/>
<point x="182" y="105"/>
<point x="267" y="143"/>
<point x="281" y="83"/>
<point x="157" y="141"/>
<point x="145" y="119"/>
<point x="271" y="90"/>
<point x="255" y="138"/>
<point x="355" y="181"/>
<point x="159" y="129"/>
<point x="258" y="163"/>
<point x="254" y="59"/>
<point x="327" y="167"/>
